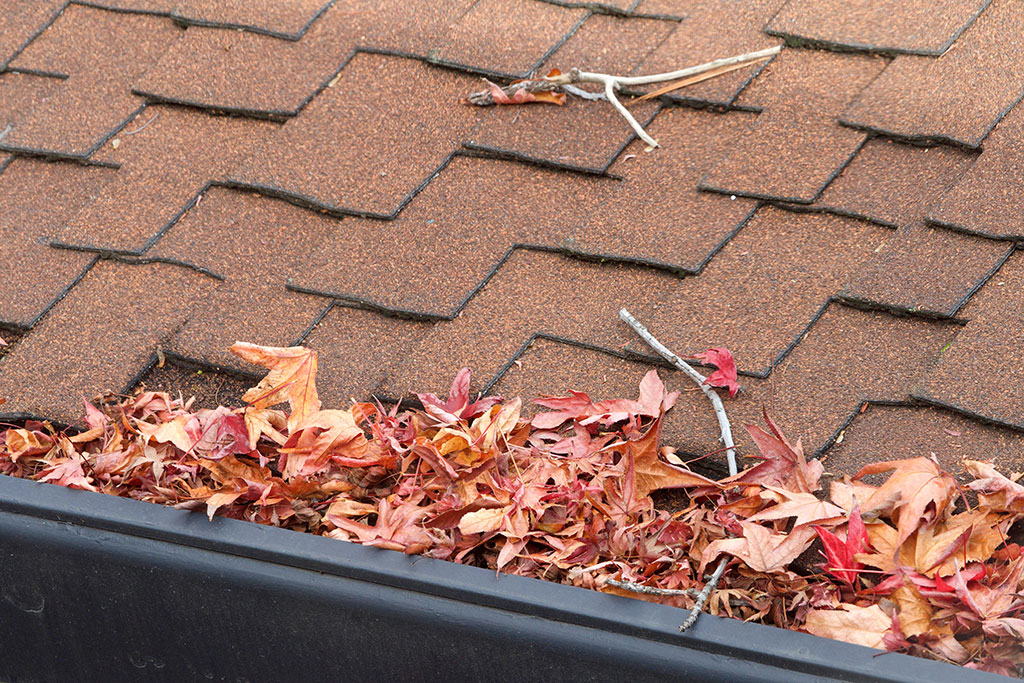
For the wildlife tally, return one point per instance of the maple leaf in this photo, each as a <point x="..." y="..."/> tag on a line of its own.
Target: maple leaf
<point x="458" y="406"/>
<point x="326" y="436"/>
<point x="806" y="507"/>
<point x="915" y="615"/>
<point x="650" y="473"/>
<point x="654" y="400"/>
<point x="27" y="442"/>
<point x="916" y="491"/>
<point x="725" y="376"/>
<point x="784" y="464"/>
<point x="760" y="548"/>
<point x="841" y="554"/>
<point x="67" y="472"/>
<point x="996" y="491"/>
<point x="858" y="625"/>
<point x="292" y="376"/>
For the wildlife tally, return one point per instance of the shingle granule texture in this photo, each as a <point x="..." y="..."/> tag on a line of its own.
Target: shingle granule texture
<point x="184" y="174"/>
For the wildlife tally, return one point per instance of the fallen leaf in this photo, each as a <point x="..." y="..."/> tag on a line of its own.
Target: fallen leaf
<point x="784" y="464"/>
<point x="858" y="625"/>
<point x="805" y="507"/>
<point x="651" y="473"/>
<point x="915" y="615"/>
<point x="761" y="549"/>
<point x="916" y="491"/>
<point x="725" y="376"/>
<point x="292" y="376"/>
<point x="841" y="554"/>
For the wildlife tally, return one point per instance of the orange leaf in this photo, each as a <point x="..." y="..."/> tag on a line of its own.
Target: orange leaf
<point x="858" y="625"/>
<point x="652" y="473"/>
<point x="916" y="491"/>
<point x="292" y="376"/>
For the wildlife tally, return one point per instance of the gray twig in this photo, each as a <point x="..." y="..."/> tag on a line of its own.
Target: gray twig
<point x="653" y="590"/>
<point x="724" y="426"/>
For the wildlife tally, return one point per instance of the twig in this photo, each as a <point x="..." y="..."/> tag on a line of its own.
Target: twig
<point x="613" y="83"/>
<point x="652" y="590"/>
<point x="143" y="126"/>
<point x="716" y="402"/>
<point x="723" y="424"/>
<point x="692" y="80"/>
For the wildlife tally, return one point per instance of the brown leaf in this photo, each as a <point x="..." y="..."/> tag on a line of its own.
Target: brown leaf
<point x="806" y="507"/>
<point x="760" y="548"/>
<point x="292" y="376"/>
<point x="915" y="613"/>
<point x="653" y="474"/>
<point x="916" y="491"/>
<point x="858" y="625"/>
<point x="784" y="464"/>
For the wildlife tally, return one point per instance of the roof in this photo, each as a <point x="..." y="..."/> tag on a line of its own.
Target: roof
<point x="181" y="174"/>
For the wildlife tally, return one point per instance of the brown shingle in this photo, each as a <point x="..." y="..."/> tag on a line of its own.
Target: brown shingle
<point x="34" y="276"/>
<point x="102" y="53"/>
<point x="244" y="72"/>
<point x="989" y="200"/>
<point x="506" y="37"/>
<point x="450" y="237"/>
<point x="583" y="134"/>
<point x="163" y="171"/>
<point x="927" y="270"/>
<point x="949" y="98"/>
<point x="21" y="21"/>
<point x="100" y="337"/>
<point x="252" y="304"/>
<point x="896" y="432"/>
<point x="712" y="29"/>
<point x="763" y="288"/>
<point x="655" y="215"/>
<point x="21" y="93"/>
<point x="983" y="371"/>
<point x="796" y="146"/>
<point x="894" y="183"/>
<point x="892" y="26"/>
<point x="353" y="151"/>
<point x="281" y="19"/>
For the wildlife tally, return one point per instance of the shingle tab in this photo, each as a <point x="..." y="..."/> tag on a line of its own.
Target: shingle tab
<point x="989" y="200"/>
<point x="21" y="21"/>
<point x="797" y="145"/>
<point x="353" y="151"/>
<point x="890" y="26"/>
<point x="949" y="98"/>
<point x="94" y="102"/>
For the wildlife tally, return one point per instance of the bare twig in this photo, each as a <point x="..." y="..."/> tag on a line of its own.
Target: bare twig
<point x="143" y="126"/>
<point x="723" y="424"/>
<point x="699" y="379"/>
<point x="652" y="590"/>
<point x="692" y="80"/>
<point x="613" y="83"/>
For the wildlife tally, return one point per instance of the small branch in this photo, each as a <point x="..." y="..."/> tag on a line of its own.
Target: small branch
<point x="699" y="379"/>
<point x="614" y="83"/>
<point x="652" y="590"/>
<point x="704" y="595"/>
<point x="567" y="82"/>
<point x="723" y="424"/>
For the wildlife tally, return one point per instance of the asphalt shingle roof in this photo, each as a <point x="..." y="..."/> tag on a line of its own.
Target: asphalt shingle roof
<point x="176" y="175"/>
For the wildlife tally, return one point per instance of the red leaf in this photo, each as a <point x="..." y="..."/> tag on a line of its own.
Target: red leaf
<point x="725" y="376"/>
<point x="457" y="407"/>
<point x="840" y="553"/>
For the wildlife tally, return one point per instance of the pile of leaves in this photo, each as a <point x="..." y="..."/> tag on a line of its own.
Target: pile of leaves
<point x="909" y="565"/>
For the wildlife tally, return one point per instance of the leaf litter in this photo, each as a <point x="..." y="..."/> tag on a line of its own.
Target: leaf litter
<point x="566" y="497"/>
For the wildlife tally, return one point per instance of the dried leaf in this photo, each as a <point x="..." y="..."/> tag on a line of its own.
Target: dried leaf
<point x="858" y="625"/>
<point x="725" y="376"/>
<point x="916" y="491"/>
<point x="842" y="554"/>
<point x="292" y="376"/>
<point x="760" y="548"/>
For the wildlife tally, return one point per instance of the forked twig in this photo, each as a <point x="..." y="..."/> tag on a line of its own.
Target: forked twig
<point x="614" y="83"/>
<point x="726" y="429"/>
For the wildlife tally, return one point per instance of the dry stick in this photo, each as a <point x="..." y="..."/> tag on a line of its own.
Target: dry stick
<point x="723" y="424"/>
<point x="651" y="590"/>
<point x="613" y="83"/>
<point x="692" y="80"/>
